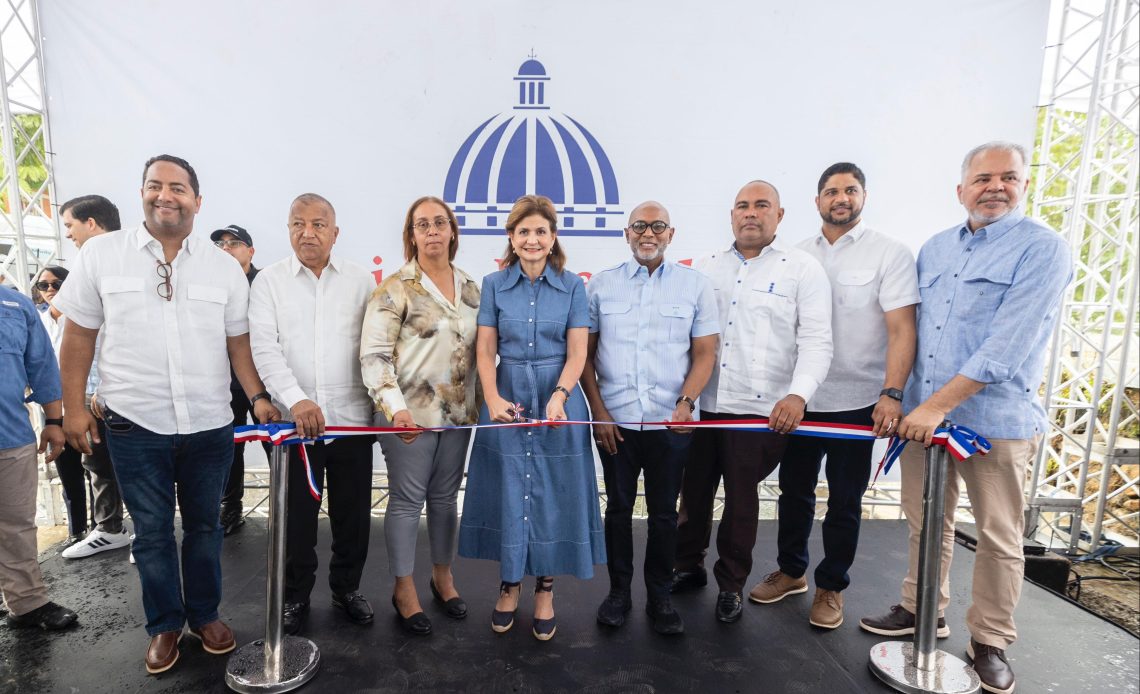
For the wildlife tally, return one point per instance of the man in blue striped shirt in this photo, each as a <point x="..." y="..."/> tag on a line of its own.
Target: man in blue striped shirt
<point x="990" y="290"/>
<point x="652" y="346"/>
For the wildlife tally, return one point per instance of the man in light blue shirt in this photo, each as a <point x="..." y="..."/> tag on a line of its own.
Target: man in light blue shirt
<point x="652" y="346"/>
<point x="990" y="290"/>
<point x="27" y="363"/>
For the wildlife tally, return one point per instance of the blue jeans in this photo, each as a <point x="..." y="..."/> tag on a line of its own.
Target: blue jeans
<point x="153" y="469"/>
<point x="848" y="472"/>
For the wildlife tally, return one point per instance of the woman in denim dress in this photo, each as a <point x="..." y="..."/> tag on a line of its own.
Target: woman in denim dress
<point x="532" y="494"/>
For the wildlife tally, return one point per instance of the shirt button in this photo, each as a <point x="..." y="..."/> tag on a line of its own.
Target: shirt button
<point x="528" y="477"/>
<point x="730" y="322"/>
<point x="528" y="452"/>
<point x="723" y="365"/>
<point x="531" y="320"/>
<point x="927" y="380"/>
<point x="530" y="433"/>
<point x="530" y="344"/>
<point x="532" y="303"/>
<point x="938" y="327"/>
<point x="947" y="301"/>
<point x="955" y="274"/>
<point x="525" y="496"/>
<point x="734" y="303"/>
<point x="524" y="518"/>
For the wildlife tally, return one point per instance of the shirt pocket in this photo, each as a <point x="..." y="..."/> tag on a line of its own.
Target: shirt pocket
<point x="982" y="292"/>
<point x="770" y="308"/>
<point x="614" y="319"/>
<point x="926" y="282"/>
<point x="13" y="331"/>
<point x="123" y="301"/>
<point x="678" y="320"/>
<point x="855" y="288"/>
<point x="206" y="306"/>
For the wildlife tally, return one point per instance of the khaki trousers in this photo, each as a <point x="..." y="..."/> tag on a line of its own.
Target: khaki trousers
<point x="21" y="582"/>
<point x="995" y="484"/>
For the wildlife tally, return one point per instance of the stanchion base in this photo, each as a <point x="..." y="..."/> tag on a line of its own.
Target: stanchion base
<point x="893" y="663"/>
<point x="245" y="671"/>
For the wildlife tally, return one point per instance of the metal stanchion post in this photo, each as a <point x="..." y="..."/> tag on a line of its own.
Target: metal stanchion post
<point x="277" y="663"/>
<point x="920" y="667"/>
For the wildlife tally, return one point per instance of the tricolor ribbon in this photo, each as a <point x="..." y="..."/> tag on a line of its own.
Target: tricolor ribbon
<point x="960" y="441"/>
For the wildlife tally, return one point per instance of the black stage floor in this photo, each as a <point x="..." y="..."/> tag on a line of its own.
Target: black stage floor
<point x="1062" y="649"/>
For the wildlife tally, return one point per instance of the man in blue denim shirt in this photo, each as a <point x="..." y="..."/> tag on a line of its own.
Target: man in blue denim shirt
<point x="990" y="291"/>
<point x="27" y="362"/>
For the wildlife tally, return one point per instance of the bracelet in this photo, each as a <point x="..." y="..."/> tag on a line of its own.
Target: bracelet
<point x="688" y="401"/>
<point x="892" y="393"/>
<point x="260" y="396"/>
<point x="53" y="422"/>
<point x="560" y="389"/>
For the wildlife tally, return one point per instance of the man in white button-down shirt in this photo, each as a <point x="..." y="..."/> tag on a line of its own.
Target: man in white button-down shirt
<point x="305" y="315"/>
<point x="874" y="291"/>
<point x="172" y="308"/>
<point x="775" y="348"/>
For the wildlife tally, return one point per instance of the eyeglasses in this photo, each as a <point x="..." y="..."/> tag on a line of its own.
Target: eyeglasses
<point x="165" y="289"/>
<point x="658" y="227"/>
<point x="44" y="285"/>
<point x="230" y="243"/>
<point x="440" y="224"/>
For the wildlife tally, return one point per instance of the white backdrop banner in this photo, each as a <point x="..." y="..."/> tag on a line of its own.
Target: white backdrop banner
<point x="599" y="105"/>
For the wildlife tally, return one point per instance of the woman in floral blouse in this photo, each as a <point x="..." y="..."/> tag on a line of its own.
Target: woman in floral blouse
<point x="417" y="355"/>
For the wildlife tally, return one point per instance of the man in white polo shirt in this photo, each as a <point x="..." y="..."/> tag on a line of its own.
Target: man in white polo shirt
<point x="305" y="318"/>
<point x="173" y="311"/>
<point x="874" y="290"/>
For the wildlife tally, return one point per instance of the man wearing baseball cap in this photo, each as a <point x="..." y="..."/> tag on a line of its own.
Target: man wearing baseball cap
<point x="237" y="242"/>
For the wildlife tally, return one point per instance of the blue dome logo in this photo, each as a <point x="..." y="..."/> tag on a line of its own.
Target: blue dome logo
<point x="532" y="150"/>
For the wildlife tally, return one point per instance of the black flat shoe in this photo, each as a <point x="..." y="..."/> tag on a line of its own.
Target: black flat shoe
<point x="417" y="624"/>
<point x="691" y="579"/>
<point x="455" y="608"/>
<point x="355" y="606"/>
<point x="502" y="622"/>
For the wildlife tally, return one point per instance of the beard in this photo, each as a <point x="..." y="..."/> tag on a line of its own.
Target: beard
<point x="852" y="218"/>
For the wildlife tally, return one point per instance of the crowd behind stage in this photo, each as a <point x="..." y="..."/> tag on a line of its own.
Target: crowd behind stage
<point x="156" y="340"/>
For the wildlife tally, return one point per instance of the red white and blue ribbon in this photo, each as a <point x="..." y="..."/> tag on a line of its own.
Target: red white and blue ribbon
<point x="960" y="441"/>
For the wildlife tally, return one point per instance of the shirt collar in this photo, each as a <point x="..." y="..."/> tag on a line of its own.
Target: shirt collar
<point x="854" y="233"/>
<point x="995" y="230"/>
<point x="774" y="247"/>
<point x="631" y="267"/>
<point x="552" y="277"/>
<point x="143" y="237"/>
<point x="295" y="265"/>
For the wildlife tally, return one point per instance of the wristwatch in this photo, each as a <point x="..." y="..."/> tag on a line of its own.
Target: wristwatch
<point x="688" y="401"/>
<point x="892" y="393"/>
<point x="260" y="396"/>
<point x="560" y="389"/>
<point x="53" y="422"/>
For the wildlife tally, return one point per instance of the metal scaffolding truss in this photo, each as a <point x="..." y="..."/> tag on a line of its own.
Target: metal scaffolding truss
<point x="29" y="232"/>
<point x="1085" y="184"/>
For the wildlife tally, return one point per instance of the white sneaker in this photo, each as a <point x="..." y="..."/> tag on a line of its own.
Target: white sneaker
<point x="95" y="542"/>
<point x="132" y="557"/>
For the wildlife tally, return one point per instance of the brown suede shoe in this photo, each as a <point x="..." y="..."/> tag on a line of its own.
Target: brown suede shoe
<point x="826" y="609"/>
<point x="776" y="586"/>
<point x="163" y="651"/>
<point x="217" y="638"/>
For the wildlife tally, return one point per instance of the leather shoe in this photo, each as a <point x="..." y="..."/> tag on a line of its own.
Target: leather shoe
<point x="355" y="606"/>
<point x="992" y="667"/>
<point x="455" y="608"/>
<point x="689" y="579"/>
<point x="162" y="653"/>
<point x="48" y="616"/>
<point x="665" y="618"/>
<point x="231" y="520"/>
<point x="729" y="605"/>
<point x="216" y="637"/>
<point x="417" y="624"/>
<point x="293" y="617"/>
<point x="613" y="609"/>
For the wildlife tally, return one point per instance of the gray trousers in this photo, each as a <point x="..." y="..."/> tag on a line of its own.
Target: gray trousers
<point x="429" y="470"/>
<point x="21" y="583"/>
<point x="107" y="503"/>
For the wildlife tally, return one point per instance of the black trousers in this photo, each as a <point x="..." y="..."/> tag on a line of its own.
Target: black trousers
<point x="661" y="454"/>
<point x="73" y="484"/>
<point x="343" y="468"/>
<point x="848" y="473"/>
<point x="743" y="459"/>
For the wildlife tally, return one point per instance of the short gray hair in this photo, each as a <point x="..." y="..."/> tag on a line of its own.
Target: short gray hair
<point x="1001" y="146"/>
